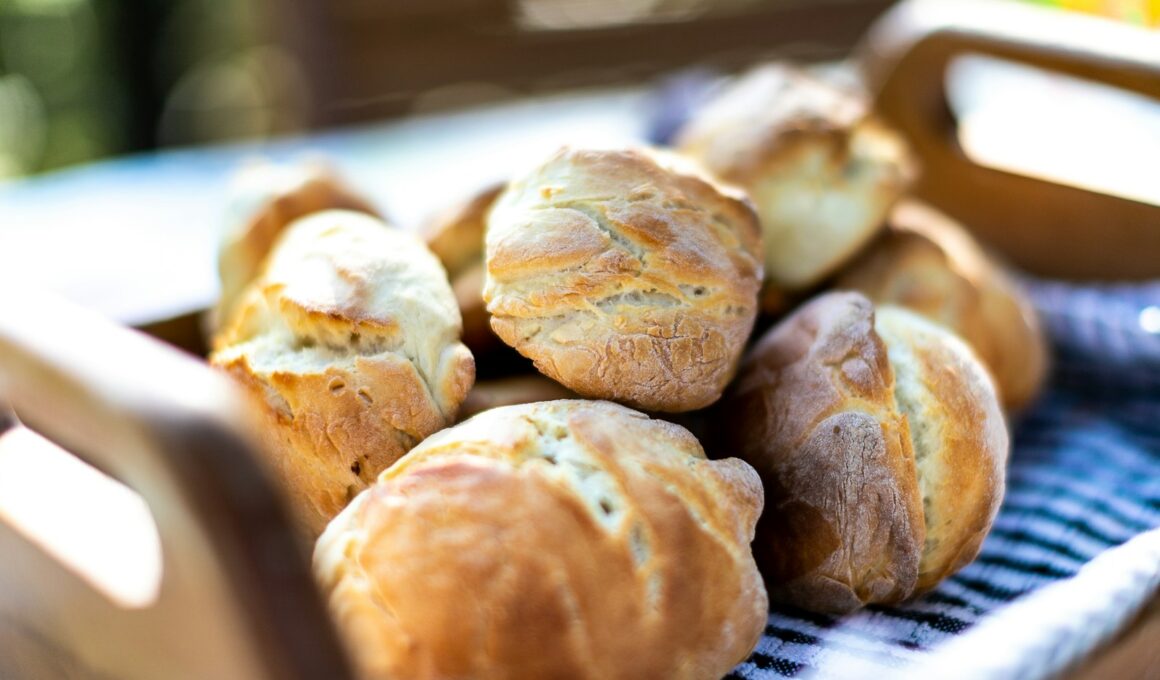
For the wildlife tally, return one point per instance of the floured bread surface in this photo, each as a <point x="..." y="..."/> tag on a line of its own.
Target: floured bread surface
<point x="821" y="169"/>
<point x="881" y="446"/>
<point x="265" y="199"/>
<point x="571" y="539"/>
<point x="350" y="340"/>
<point x="624" y="275"/>
<point x="928" y="263"/>
<point x="813" y="411"/>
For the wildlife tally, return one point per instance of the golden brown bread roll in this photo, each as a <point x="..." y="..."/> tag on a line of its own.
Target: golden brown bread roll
<point x="881" y="446"/>
<point x="624" y="275"/>
<point x="928" y="263"/>
<point x="456" y="238"/>
<point x="266" y="198"/>
<point x="565" y="539"/>
<point x="821" y="169"/>
<point x="349" y="341"/>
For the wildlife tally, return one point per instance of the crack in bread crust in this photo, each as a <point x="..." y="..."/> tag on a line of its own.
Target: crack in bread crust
<point x="813" y="412"/>
<point x="960" y="438"/>
<point x="625" y="276"/>
<point x="881" y="446"/>
<point x="594" y="542"/>
<point x="350" y="339"/>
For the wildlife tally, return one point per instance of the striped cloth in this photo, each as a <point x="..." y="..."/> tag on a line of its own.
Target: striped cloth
<point x="1084" y="476"/>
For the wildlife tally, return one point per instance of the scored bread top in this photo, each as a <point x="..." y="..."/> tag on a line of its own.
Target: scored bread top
<point x="625" y="275"/>
<point x="561" y="539"/>
<point x="959" y="436"/>
<point x="881" y="445"/>
<point x="350" y="338"/>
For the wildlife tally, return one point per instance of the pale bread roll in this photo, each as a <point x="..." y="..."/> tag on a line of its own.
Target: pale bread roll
<point x="265" y="199"/>
<point x="625" y="275"/>
<point x="565" y="539"/>
<point x="928" y="263"/>
<point x="349" y="340"/>
<point x="821" y="169"/>
<point x="882" y="448"/>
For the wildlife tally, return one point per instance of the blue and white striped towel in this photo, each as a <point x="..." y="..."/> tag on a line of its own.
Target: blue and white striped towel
<point x="1084" y="476"/>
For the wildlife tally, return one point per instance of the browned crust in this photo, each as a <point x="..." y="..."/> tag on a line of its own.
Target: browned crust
<point x="624" y="277"/>
<point x="456" y="234"/>
<point x="766" y="113"/>
<point x="882" y="448"/>
<point x="456" y="238"/>
<point x="348" y="341"/>
<point x="813" y="412"/>
<point x="312" y="187"/>
<point x="962" y="472"/>
<point x="478" y="556"/>
<point x="821" y="169"/>
<point x="928" y="263"/>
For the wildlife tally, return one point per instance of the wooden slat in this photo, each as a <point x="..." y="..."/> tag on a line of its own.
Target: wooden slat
<point x="1046" y="228"/>
<point x="237" y="599"/>
<point x="364" y="65"/>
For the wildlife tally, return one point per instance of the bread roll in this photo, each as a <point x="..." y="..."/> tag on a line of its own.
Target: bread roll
<point x="881" y="446"/>
<point x="928" y="263"/>
<point x="624" y="276"/>
<point x="456" y="238"/>
<point x="349" y="340"/>
<point x="266" y="198"/>
<point x="565" y="539"/>
<point x="821" y="169"/>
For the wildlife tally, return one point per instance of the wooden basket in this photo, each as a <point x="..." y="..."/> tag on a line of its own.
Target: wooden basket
<point x="236" y="599"/>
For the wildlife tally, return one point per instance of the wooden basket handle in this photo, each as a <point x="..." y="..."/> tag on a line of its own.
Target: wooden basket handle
<point x="236" y="597"/>
<point x="1047" y="228"/>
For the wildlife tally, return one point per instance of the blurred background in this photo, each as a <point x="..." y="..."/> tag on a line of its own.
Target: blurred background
<point x="85" y="79"/>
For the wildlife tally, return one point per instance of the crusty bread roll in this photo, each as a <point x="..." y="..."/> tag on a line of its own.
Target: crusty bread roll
<point x="349" y="339"/>
<point x="565" y="539"/>
<point x="928" y="263"/>
<point x="266" y="197"/>
<point x="624" y="275"/>
<point x="881" y="446"/>
<point x="821" y="169"/>
<point x="456" y="238"/>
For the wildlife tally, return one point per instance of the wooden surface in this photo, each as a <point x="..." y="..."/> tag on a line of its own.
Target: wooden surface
<point x="368" y="59"/>
<point x="1134" y="656"/>
<point x="235" y="599"/>
<point x="1043" y="227"/>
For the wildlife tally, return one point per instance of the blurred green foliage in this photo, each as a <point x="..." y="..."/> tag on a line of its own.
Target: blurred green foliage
<point x="84" y="79"/>
<point x="58" y="100"/>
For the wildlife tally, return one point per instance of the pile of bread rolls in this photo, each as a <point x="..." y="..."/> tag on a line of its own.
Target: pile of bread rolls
<point x="856" y="450"/>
